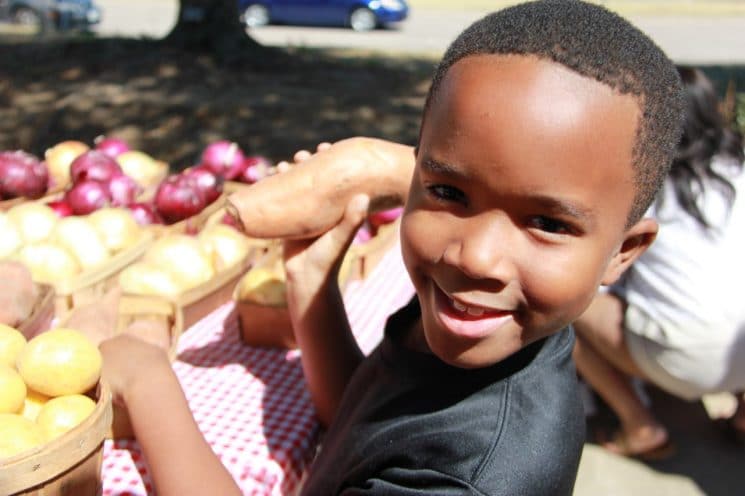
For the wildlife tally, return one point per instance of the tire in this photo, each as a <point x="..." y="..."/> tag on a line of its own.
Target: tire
<point x="363" y="19"/>
<point x="34" y="19"/>
<point x="256" y="15"/>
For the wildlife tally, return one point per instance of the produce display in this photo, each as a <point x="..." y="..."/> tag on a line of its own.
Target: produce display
<point x="44" y="386"/>
<point x="22" y="175"/>
<point x="56" y="249"/>
<point x="60" y="156"/>
<point x="176" y="263"/>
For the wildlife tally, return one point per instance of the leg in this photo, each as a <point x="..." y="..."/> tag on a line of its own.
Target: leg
<point x="605" y="363"/>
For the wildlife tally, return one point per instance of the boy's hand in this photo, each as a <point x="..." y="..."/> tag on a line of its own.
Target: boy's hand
<point x="128" y="361"/>
<point x="98" y="319"/>
<point x="313" y="263"/>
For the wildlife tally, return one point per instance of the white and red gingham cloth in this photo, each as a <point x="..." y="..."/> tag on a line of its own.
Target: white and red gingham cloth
<point x="251" y="403"/>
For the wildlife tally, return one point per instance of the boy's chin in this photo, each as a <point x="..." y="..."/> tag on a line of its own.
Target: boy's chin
<point x="473" y="356"/>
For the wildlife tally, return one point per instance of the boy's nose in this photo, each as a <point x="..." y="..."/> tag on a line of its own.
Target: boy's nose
<point x="482" y="251"/>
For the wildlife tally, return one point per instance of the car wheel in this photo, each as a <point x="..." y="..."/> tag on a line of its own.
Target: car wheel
<point x="26" y="16"/>
<point x="256" y="15"/>
<point x="31" y="18"/>
<point x="362" y="19"/>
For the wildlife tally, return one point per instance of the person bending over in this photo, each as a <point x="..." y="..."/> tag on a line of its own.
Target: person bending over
<point x="677" y="319"/>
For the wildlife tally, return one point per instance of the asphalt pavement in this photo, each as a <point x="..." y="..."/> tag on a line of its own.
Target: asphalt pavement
<point x="690" y="31"/>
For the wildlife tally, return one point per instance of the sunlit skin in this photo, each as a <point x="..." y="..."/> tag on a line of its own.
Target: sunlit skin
<point x="518" y="205"/>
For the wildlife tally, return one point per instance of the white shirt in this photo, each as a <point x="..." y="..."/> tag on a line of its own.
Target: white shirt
<point x="690" y="281"/>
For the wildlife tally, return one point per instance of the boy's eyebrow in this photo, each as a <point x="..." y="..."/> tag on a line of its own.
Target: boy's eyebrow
<point x="565" y="208"/>
<point x="436" y="167"/>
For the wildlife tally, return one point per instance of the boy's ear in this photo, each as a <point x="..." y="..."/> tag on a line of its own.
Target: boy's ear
<point x="636" y="241"/>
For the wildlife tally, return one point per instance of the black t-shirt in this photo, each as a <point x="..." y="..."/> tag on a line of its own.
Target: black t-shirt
<point x="409" y="424"/>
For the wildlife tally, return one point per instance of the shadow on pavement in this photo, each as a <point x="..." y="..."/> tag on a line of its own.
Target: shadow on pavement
<point x="705" y="461"/>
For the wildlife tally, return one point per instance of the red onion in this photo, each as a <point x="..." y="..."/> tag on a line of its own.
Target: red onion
<point x="87" y="196"/>
<point x="207" y="181"/>
<point x="224" y="158"/>
<point x="385" y="216"/>
<point x="22" y="174"/>
<point x="145" y="213"/>
<point x="231" y="221"/>
<point x="123" y="190"/>
<point x="95" y="165"/>
<point x="112" y="147"/>
<point x="61" y="208"/>
<point x="255" y="168"/>
<point x="178" y="197"/>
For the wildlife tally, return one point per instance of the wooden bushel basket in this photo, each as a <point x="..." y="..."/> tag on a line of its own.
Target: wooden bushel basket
<point x="184" y="310"/>
<point x="67" y="466"/>
<point x="178" y="313"/>
<point x="90" y="286"/>
<point x="265" y="325"/>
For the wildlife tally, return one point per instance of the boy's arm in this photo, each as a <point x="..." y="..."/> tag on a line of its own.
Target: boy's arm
<point x="330" y="353"/>
<point x="179" y="458"/>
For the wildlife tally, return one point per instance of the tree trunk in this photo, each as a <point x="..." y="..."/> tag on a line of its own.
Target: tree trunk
<point x="211" y="26"/>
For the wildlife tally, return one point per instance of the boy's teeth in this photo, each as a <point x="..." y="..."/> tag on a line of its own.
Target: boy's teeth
<point x="459" y="306"/>
<point x="475" y="311"/>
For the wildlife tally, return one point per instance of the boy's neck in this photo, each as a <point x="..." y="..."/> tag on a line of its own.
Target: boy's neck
<point x="414" y="338"/>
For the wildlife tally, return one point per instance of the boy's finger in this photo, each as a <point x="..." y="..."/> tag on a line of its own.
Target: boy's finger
<point x="343" y="234"/>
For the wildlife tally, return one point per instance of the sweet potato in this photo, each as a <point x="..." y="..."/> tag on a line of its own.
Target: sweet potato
<point x="310" y="197"/>
<point x="18" y="293"/>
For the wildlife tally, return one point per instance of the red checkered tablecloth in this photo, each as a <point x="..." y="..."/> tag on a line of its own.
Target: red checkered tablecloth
<point x="251" y="403"/>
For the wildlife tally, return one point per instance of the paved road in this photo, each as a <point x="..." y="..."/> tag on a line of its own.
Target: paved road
<point x="686" y="39"/>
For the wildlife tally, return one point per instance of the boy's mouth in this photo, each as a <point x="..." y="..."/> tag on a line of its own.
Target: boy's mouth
<point x="467" y="319"/>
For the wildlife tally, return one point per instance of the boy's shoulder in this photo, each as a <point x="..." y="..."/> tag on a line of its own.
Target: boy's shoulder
<point x="411" y="421"/>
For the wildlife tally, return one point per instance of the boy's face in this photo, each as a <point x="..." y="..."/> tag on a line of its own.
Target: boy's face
<point x="518" y="204"/>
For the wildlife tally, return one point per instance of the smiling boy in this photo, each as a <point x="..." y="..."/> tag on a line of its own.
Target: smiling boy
<point x="546" y="133"/>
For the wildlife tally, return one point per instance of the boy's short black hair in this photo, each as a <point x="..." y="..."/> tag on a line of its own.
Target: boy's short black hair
<point x="595" y="43"/>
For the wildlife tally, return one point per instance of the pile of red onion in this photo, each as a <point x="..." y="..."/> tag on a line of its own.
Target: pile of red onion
<point x="97" y="181"/>
<point x="112" y="147"/>
<point x="226" y="159"/>
<point x="22" y="174"/>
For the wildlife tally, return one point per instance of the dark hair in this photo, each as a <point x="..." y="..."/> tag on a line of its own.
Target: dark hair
<point x="598" y="44"/>
<point x="705" y="135"/>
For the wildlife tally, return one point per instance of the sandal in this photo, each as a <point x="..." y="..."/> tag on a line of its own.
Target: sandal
<point x="619" y="444"/>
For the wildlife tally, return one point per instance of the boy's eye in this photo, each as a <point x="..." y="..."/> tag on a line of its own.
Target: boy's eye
<point x="443" y="192"/>
<point x="549" y="225"/>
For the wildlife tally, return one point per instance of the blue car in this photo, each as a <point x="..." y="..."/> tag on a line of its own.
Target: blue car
<point x="360" y="15"/>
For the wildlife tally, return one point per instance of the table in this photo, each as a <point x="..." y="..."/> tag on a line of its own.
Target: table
<point x="251" y="403"/>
